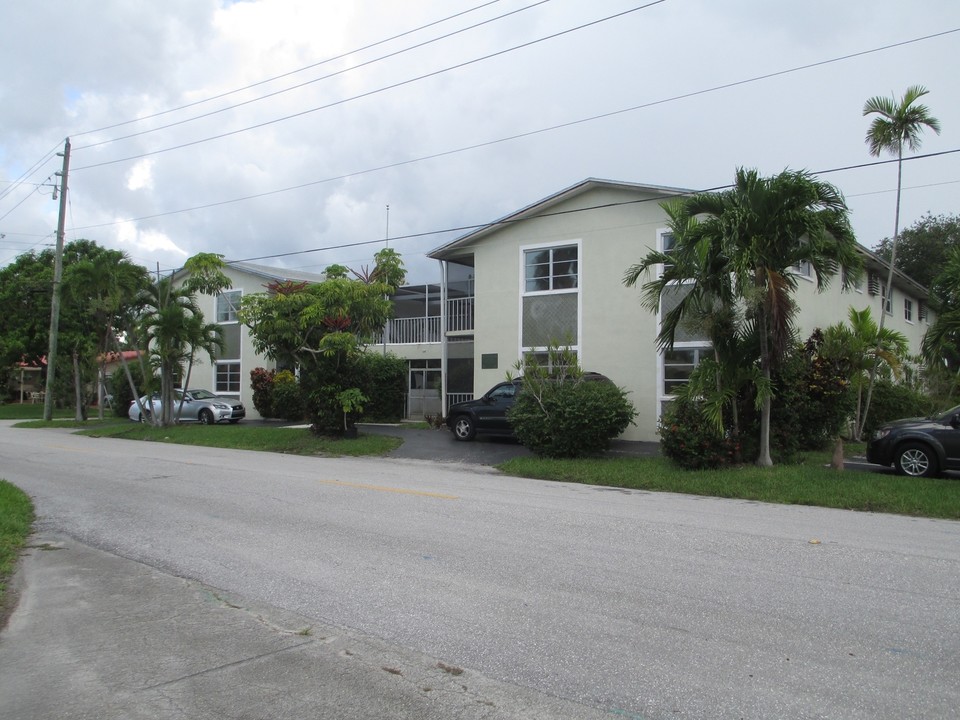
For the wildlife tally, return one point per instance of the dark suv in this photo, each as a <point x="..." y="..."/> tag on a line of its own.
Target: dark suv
<point x="920" y="447"/>
<point x="488" y="414"/>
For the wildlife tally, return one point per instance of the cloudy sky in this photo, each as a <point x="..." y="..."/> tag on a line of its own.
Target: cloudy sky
<point x="282" y="129"/>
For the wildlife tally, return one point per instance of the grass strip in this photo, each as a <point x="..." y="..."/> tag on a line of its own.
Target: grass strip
<point x="295" y="441"/>
<point x="16" y="517"/>
<point x="810" y="483"/>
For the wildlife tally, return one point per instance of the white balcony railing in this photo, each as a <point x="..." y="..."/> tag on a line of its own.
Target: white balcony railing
<point x="408" y="331"/>
<point x="460" y="314"/>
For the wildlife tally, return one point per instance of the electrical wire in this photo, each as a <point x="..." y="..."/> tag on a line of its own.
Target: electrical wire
<point x="29" y="171"/>
<point x="392" y="86"/>
<point x="309" y="82"/>
<point x="512" y="219"/>
<point x="286" y="74"/>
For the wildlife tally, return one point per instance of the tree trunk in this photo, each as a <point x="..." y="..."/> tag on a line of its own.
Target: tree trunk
<point x="884" y="297"/>
<point x="764" y="459"/>
<point x="837" y="461"/>
<point x="77" y="388"/>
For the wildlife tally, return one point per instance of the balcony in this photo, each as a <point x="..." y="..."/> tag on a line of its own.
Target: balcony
<point x="417" y="330"/>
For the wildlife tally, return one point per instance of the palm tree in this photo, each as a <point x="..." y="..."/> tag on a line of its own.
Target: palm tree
<point x="200" y="336"/>
<point x="165" y="328"/>
<point x="742" y="245"/>
<point x="897" y="123"/>
<point x="864" y="345"/>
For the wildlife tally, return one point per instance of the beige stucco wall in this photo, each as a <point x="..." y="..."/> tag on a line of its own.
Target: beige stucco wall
<point x="616" y="333"/>
<point x="203" y="375"/>
<point x="832" y="306"/>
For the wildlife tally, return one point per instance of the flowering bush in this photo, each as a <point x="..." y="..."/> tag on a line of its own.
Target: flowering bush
<point x="692" y="441"/>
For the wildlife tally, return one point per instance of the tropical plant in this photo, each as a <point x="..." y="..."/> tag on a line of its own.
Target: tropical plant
<point x="742" y="246"/>
<point x="561" y="413"/>
<point x="898" y="123"/>
<point x="322" y="329"/>
<point x="863" y="345"/>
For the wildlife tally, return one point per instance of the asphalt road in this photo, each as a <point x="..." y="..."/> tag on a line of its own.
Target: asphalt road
<point x="643" y="605"/>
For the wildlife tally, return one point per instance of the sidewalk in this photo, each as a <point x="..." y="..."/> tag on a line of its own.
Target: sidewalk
<point x="101" y="637"/>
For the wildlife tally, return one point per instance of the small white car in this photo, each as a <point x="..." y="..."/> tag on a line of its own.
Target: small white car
<point x="200" y="406"/>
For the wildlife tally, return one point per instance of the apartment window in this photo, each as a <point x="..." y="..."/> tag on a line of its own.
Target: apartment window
<point x="887" y="301"/>
<point x="227" y="379"/>
<point x="679" y="363"/>
<point x="227" y="304"/>
<point x="803" y="269"/>
<point x="908" y="309"/>
<point x="667" y="245"/>
<point x="548" y="269"/>
<point x="922" y="311"/>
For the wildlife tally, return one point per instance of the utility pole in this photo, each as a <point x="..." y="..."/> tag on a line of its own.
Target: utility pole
<point x="57" y="277"/>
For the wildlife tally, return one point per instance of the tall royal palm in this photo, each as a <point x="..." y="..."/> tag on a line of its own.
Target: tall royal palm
<point x="749" y="240"/>
<point x="898" y="123"/>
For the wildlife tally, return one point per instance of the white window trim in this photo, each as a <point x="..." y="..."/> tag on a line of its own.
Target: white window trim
<point x="523" y="293"/>
<point x="908" y="320"/>
<point x="227" y="361"/>
<point x="524" y="249"/>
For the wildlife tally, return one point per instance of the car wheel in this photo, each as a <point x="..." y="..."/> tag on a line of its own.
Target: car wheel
<point x="205" y="417"/>
<point x="464" y="428"/>
<point x="916" y="460"/>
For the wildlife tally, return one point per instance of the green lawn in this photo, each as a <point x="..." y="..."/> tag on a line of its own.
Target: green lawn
<point x="811" y="483"/>
<point x="297" y="441"/>
<point x="33" y="411"/>
<point x="16" y="516"/>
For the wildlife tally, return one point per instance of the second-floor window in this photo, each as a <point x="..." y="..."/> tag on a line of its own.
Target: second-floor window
<point x="908" y="309"/>
<point x="227" y="304"/>
<point x="554" y="268"/>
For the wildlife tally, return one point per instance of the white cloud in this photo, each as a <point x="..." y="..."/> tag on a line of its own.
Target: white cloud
<point x="123" y="59"/>
<point x="141" y="176"/>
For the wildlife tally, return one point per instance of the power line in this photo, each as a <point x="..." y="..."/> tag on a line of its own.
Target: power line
<point x="29" y="171"/>
<point x="310" y="82"/>
<point x="511" y="220"/>
<point x="377" y="91"/>
<point x="530" y="133"/>
<point x="286" y="74"/>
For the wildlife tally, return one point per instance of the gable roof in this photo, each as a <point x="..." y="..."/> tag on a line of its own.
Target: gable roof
<point x="265" y="272"/>
<point x="542" y="206"/>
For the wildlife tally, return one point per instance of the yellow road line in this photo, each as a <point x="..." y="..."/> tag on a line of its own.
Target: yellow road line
<point x="383" y="488"/>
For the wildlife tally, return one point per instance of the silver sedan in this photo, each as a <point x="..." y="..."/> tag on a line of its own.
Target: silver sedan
<point x="200" y="406"/>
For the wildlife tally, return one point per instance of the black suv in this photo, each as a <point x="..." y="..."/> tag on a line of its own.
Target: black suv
<point x="920" y="447"/>
<point x="488" y="414"/>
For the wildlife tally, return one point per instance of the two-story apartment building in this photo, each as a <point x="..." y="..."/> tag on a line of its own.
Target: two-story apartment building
<point x="550" y="272"/>
<point x="553" y="272"/>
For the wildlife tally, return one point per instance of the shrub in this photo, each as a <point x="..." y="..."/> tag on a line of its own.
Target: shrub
<point x="692" y="441"/>
<point x="287" y="402"/>
<point x="892" y="401"/>
<point x="261" y="381"/>
<point x="562" y="413"/>
<point x="382" y="378"/>
<point x="120" y="388"/>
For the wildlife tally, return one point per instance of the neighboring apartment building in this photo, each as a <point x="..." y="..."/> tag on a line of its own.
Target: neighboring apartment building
<point x="552" y="271"/>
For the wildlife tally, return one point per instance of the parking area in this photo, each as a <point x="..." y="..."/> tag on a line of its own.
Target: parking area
<point x="439" y="445"/>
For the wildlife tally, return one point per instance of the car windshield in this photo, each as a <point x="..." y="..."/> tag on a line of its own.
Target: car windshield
<point x="945" y="417"/>
<point x="202" y="395"/>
